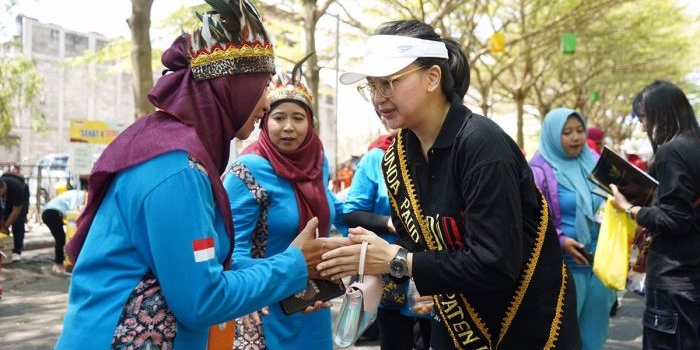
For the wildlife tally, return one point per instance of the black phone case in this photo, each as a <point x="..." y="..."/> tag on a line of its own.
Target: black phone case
<point x="317" y="289"/>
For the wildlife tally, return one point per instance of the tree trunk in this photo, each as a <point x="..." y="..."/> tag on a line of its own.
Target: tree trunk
<point x="520" y="106"/>
<point x="142" y="69"/>
<point x="312" y="71"/>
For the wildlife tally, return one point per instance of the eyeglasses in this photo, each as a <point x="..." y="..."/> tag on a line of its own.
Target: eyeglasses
<point x="385" y="87"/>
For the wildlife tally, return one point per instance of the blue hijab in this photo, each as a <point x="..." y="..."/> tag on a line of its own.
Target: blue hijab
<point x="570" y="172"/>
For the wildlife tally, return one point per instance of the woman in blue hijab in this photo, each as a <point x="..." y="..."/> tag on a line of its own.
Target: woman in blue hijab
<point x="561" y="166"/>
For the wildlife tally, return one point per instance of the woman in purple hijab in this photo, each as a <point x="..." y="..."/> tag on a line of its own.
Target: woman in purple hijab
<point x="152" y="243"/>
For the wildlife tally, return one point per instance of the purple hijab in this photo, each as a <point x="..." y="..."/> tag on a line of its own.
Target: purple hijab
<point x="199" y="117"/>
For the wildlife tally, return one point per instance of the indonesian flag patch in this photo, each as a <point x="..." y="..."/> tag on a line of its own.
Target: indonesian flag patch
<point x="203" y="249"/>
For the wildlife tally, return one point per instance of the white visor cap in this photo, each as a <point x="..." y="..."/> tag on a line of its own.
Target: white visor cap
<point x="388" y="54"/>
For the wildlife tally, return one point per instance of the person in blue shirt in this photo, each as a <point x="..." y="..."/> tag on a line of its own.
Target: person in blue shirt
<point x="560" y="167"/>
<point x="53" y="214"/>
<point x="288" y="163"/>
<point x="154" y="243"/>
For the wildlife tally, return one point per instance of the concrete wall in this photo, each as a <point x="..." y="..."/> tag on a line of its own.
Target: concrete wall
<point x="69" y="92"/>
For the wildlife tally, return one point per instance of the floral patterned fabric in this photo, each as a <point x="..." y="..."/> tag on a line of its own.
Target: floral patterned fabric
<point x="146" y="321"/>
<point x="249" y="338"/>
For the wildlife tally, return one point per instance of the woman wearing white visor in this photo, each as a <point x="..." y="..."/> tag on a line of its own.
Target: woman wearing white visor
<point x="474" y="231"/>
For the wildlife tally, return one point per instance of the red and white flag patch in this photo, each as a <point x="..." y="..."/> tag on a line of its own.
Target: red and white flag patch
<point x="203" y="249"/>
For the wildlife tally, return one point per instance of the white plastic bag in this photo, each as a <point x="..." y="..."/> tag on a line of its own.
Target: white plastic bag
<point x="635" y="282"/>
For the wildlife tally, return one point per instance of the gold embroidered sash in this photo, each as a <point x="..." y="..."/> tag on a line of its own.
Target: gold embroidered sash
<point x="466" y="328"/>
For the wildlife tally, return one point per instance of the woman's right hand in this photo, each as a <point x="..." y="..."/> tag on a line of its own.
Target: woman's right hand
<point x="313" y="247"/>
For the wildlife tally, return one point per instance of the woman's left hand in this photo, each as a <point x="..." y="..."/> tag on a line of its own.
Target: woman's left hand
<point x="344" y="261"/>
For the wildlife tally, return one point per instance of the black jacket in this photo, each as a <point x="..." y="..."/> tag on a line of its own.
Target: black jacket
<point x="673" y="258"/>
<point x="480" y="203"/>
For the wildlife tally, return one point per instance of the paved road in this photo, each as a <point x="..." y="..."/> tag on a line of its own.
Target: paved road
<point x="31" y="310"/>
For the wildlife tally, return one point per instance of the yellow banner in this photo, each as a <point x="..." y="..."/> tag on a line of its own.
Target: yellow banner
<point x="94" y="131"/>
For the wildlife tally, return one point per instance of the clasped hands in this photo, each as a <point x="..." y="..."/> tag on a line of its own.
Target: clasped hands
<point x="333" y="258"/>
<point x="344" y="261"/>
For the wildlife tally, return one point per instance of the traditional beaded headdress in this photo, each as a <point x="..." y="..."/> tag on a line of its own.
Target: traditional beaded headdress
<point x="232" y="40"/>
<point x="290" y="87"/>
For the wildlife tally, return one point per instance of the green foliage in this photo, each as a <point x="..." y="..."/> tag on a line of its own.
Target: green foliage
<point x="182" y="19"/>
<point x="622" y="45"/>
<point x="625" y="49"/>
<point x="20" y="83"/>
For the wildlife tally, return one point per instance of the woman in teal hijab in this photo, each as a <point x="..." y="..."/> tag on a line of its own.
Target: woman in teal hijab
<point x="561" y="167"/>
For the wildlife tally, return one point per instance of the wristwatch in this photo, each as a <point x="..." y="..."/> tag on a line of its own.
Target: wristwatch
<point x="398" y="266"/>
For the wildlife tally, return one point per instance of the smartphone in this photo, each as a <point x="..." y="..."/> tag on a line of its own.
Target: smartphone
<point x="587" y="254"/>
<point x="318" y="289"/>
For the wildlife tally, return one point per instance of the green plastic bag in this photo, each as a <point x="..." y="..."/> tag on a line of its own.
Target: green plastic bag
<point x="612" y="255"/>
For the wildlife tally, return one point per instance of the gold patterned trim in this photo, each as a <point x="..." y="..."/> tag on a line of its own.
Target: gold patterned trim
<point x="231" y="50"/>
<point x="556" y="322"/>
<point x="411" y="192"/>
<point x="249" y="57"/>
<point x="290" y="92"/>
<point x="529" y="271"/>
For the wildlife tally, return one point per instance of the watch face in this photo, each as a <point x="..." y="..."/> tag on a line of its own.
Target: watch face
<point x="398" y="268"/>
